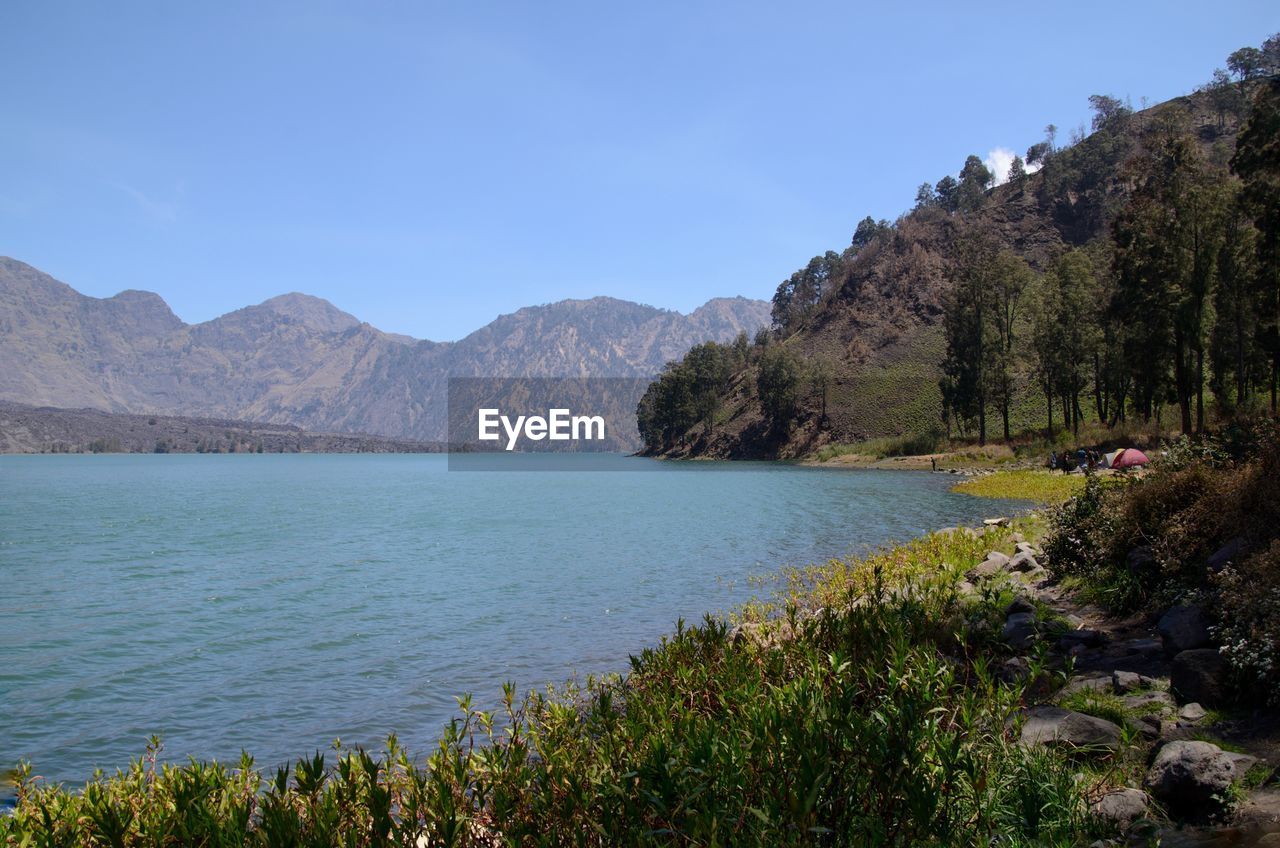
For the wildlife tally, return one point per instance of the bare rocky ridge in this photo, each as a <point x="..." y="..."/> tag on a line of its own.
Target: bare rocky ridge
<point x="298" y="360"/>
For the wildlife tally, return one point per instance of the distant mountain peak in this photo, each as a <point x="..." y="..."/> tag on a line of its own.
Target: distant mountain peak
<point x="139" y="297"/>
<point x="315" y="312"/>
<point x="146" y="307"/>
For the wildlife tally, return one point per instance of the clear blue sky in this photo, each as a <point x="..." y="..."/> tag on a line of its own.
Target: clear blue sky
<point x="427" y="166"/>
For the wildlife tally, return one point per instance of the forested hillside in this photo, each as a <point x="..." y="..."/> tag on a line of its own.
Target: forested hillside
<point x="1128" y="274"/>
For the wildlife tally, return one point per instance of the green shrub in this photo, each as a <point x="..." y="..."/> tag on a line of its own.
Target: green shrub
<point x="1249" y="620"/>
<point x="1146" y="544"/>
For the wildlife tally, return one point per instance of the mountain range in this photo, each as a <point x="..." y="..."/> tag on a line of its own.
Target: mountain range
<point x="299" y="360"/>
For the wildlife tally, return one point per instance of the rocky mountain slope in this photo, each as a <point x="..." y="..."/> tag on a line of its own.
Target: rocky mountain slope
<point x="878" y="331"/>
<point x="298" y="360"/>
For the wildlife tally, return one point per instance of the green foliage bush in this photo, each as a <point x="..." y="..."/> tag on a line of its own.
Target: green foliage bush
<point x="1249" y="628"/>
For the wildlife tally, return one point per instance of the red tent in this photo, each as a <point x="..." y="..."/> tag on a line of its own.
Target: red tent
<point x="1129" y="458"/>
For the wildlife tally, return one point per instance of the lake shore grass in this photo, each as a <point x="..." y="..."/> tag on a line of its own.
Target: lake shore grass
<point x="1038" y="485"/>
<point x="911" y="455"/>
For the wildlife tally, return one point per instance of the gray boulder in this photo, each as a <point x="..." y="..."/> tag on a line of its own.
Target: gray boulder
<point x="1241" y="763"/>
<point x="1093" y="683"/>
<point x="985" y="570"/>
<point x="1121" y="807"/>
<point x="1019" y="630"/>
<point x="1200" y="675"/>
<point x="1056" y="726"/>
<point x="1021" y="603"/>
<point x="1183" y="628"/>
<point x="1229" y="554"/>
<point x="1125" y="681"/>
<point x="1190" y="776"/>
<point x="1192" y="712"/>
<point x="1022" y="561"/>
<point x="1000" y="559"/>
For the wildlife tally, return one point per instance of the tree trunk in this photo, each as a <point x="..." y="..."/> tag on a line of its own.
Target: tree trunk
<point x="1048" y="396"/>
<point x="1181" y="381"/>
<point x="1099" y="397"/>
<point x="1275" y="373"/>
<point x="1199" y="390"/>
<point x="1004" y="413"/>
<point x="1117" y="403"/>
<point x="1239" y="351"/>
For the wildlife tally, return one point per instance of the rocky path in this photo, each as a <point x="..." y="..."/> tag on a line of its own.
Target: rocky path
<point x="1150" y="698"/>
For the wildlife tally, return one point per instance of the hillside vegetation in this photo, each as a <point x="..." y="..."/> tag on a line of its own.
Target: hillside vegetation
<point x="1129" y="275"/>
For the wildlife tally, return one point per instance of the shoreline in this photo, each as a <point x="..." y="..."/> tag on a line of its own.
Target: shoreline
<point x="1092" y="690"/>
<point x="919" y="462"/>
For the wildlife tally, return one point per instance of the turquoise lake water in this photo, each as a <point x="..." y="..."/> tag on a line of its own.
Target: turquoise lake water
<point x="275" y="602"/>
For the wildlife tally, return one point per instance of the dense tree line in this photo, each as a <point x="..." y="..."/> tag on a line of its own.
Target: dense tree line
<point x="1179" y="298"/>
<point x="803" y="293"/>
<point x="687" y="392"/>
<point x="684" y="398"/>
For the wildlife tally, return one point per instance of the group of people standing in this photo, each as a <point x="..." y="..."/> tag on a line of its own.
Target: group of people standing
<point x="1084" y="459"/>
